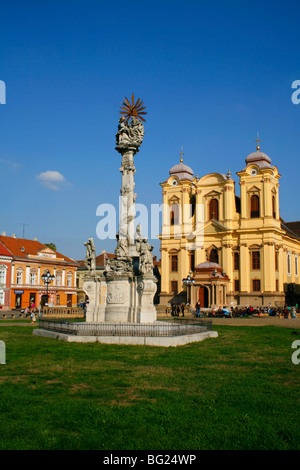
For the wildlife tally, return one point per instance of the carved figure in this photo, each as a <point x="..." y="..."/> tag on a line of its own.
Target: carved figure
<point x="145" y="251"/>
<point x="136" y="131"/>
<point x="90" y="258"/>
<point x="129" y="135"/>
<point x="122" y="135"/>
<point x="121" y="250"/>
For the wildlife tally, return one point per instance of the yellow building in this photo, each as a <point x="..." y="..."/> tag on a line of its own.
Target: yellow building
<point x="236" y="249"/>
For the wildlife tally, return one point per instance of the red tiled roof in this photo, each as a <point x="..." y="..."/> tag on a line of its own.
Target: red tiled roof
<point x="99" y="259"/>
<point x="4" y="251"/>
<point x="21" y="248"/>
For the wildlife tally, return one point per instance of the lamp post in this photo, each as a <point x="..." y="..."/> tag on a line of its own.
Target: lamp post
<point x="47" y="277"/>
<point x="188" y="281"/>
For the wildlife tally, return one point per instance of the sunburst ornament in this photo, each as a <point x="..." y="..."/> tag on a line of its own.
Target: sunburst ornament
<point x="135" y="109"/>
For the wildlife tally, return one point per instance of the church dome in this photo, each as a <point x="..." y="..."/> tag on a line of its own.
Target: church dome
<point x="182" y="171"/>
<point x="208" y="265"/>
<point x="258" y="158"/>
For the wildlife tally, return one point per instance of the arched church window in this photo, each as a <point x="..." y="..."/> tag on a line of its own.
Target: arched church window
<point x="214" y="209"/>
<point x="174" y="214"/>
<point x="254" y="206"/>
<point x="274" y="207"/>
<point x="213" y="256"/>
<point x="193" y="205"/>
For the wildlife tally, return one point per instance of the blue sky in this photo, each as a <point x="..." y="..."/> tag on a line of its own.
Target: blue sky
<point x="211" y="73"/>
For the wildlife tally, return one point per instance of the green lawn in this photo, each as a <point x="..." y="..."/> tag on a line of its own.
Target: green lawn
<point x="237" y="391"/>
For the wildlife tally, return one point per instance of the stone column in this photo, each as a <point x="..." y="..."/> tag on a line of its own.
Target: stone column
<point x="127" y="216"/>
<point x="245" y="270"/>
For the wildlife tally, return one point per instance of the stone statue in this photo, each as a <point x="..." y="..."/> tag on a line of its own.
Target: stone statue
<point x="145" y="253"/>
<point x="129" y="135"/>
<point x="122" y="135"/>
<point x="90" y="259"/>
<point x="121" y="250"/>
<point x="136" y="131"/>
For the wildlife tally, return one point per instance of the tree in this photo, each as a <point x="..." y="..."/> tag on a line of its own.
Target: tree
<point x="51" y="245"/>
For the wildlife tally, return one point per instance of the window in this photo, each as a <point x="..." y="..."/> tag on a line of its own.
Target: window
<point x="274" y="206"/>
<point x="32" y="278"/>
<point x="193" y="204"/>
<point x="214" y="209"/>
<point x="174" y="215"/>
<point x="174" y="287"/>
<point x="57" y="300"/>
<point x="255" y="260"/>
<point x="174" y="263"/>
<point x="296" y="265"/>
<point x="236" y="260"/>
<point x="2" y="297"/>
<point x="236" y="285"/>
<point x="2" y="275"/>
<point x="214" y="257"/>
<point x="277" y="285"/>
<point x="289" y="263"/>
<point x="69" y="280"/>
<point x="254" y="206"/>
<point x="276" y="260"/>
<point x="58" y="278"/>
<point x="192" y="263"/>
<point x="19" y="277"/>
<point x="256" y="285"/>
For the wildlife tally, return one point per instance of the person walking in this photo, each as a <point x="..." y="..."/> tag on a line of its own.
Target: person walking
<point x="177" y="310"/>
<point x="173" y="309"/>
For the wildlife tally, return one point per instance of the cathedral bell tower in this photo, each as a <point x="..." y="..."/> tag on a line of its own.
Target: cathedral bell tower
<point x="260" y="226"/>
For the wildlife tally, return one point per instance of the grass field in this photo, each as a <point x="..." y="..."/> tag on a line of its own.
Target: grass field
<point x="237" y="391"/>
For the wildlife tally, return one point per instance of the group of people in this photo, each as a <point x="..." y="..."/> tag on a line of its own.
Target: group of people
<point x="176" y="309"/>
<point x="32" y="311"/>
<point x="286" y="311"/>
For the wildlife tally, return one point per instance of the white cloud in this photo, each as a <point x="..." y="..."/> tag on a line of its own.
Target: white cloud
<point x="51" y="179"/>
<point x="10" y="164"/>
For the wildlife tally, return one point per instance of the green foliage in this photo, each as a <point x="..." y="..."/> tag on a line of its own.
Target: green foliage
<point x="51" y="245"/>
<point x="237" y="391"/>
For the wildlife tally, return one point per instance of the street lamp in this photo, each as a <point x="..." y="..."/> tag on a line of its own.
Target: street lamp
<point x="188" y="281"/>
<point x="47" y="277"/>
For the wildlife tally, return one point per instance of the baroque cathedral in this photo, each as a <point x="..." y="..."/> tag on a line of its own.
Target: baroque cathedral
<point x="224" y="249"/>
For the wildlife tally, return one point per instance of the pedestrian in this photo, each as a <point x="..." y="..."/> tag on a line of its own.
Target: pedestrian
<point x="177" y="310"/>
<point x="198" y="309"/>
<point x="173" y="309"/>
<point x="33" y="317"/>
<point x="182" y="308"/>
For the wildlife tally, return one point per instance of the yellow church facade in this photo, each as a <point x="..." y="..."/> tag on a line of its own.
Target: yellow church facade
<point x="222" y="249"/>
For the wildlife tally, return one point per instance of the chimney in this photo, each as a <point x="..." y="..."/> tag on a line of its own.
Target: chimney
<point x="14" y="235"/>
<point x="35" y="239"/>
<point x="3" y="234"/>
